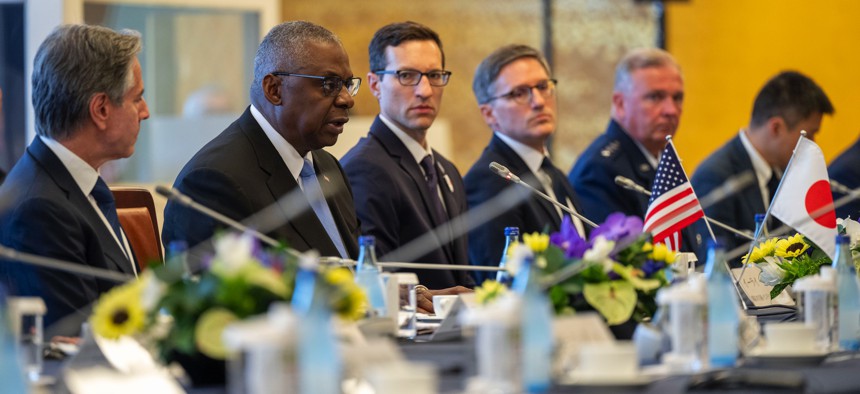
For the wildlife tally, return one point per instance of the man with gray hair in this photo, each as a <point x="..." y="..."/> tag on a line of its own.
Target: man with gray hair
<point x="88" y="102"/>
<point x="646" y="107"/>
<point x="517" y="98"/>
<point x="300" y="99"/>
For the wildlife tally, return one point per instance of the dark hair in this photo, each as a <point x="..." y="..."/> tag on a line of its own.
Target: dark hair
<point x="393" y="35"/>
<point x="74" y="63"/>
<point x="285" y="48"/>
<point x="791" y="96"/>
<point x="490" y="68"/>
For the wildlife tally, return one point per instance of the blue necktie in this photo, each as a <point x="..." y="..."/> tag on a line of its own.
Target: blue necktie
<point x="432" y="181"/>
<point x="104" y="199"/>
<point x="312" y="190"/>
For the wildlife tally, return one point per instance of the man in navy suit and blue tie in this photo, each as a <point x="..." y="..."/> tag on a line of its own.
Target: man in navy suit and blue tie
<point x="403" y="188"/>
<point x="88" y="102"/>
<point x="517" y="98"/>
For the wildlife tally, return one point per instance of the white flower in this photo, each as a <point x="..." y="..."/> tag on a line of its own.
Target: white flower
<point x="232" y="252"/>
<point x="599" y="253"/>
<point x="152" y="290"/>
<point x="519" y="253"/>
<point x="852" y="228"/>
<point x="771" y="274"/>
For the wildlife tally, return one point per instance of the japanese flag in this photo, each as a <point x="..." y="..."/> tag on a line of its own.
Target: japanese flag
<point x="803" y="199"/>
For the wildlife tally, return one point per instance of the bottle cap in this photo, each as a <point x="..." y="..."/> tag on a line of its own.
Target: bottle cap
<point x="366" y="240"/>
<point x="843" y="239"/>
<point x="512" y="231"/>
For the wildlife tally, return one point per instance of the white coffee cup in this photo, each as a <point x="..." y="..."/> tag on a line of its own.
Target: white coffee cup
<point x="617" y="359"/>
<point x="789" y="338"/>
<point x="442" y="304"/>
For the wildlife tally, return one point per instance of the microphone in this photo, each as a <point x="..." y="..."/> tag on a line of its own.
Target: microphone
<point x="176" y="195"/>
<point x="629" y="184"/>
<point x="504" y="172"/>
<point x="63" y="265"/>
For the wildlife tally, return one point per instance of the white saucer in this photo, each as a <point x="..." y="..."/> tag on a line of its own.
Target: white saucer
<point x="787" y="353"/>
<point x="589" y="379"/>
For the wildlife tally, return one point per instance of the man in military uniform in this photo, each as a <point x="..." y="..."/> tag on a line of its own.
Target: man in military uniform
<point x="646" y="107"/>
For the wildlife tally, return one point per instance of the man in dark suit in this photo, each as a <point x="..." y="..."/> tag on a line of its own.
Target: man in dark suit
<point x="788" y="103"/>
<point x="404" y="188"/>
<point x="302" y="91"/>
<point x="845" y="169"/>
<point x="646" y="108"/>
<point x="88" y="101"/>
<point x="516" y="95"/>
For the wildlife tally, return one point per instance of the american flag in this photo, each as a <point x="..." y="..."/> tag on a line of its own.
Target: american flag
<point x="673" y="203"/>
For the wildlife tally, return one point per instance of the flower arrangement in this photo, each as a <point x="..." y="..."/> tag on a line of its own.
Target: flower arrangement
<point x="783" y="260"/>
<point x="188" y="315"/>
<point x="623" y="269"/>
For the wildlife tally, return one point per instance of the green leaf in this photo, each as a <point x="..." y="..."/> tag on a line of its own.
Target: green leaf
<point x="614" y="300"/>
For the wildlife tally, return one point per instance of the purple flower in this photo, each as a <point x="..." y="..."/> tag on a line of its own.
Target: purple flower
<point x="613" y="276"/>
<point x="568" y="239"/>
<point x="651" y="267"/>
<point x="618" y="228"/>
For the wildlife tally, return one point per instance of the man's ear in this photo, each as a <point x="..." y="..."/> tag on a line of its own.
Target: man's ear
<point x="100" y="109"/>
<point x="618" y="105"/>
<point x="489" y="115"/>
<point x="373" y="83"/>
<point x="775" y="126"/>
<point x="272" y="89"/>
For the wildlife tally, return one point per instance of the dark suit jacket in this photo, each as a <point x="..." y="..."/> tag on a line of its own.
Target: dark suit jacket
<point x="486" y="243"/>
<point x="48" y="215"/>
<point x="737" y="210"/>
<point x="239" y="173"/>
<point x="615" y="153"/>
<point x="393" y="206"/>
<point x="846" y="170"/>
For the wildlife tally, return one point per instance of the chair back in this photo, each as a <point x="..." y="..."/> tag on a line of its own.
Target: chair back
<point x="136" y="210"/>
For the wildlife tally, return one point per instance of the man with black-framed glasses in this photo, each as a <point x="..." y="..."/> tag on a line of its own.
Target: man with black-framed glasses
<point x="300" y="99"/>
<point x="403" y="188"/>
<point x="517" y="98"/>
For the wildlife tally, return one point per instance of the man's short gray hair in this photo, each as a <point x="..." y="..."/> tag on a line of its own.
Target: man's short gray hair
<point x="74" y="63"/>
<point x="490" y="68"/>
<point x="638" y="59"/>
<point x="285" y="48"/>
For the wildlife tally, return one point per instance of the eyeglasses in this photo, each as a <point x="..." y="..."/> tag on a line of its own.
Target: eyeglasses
<point x="412" y="78"/>
<point x="331" y="85"/>
<point x="524" y="94"/>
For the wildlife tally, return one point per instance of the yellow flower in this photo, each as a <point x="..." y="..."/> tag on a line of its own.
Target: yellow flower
<point x="209" y="331"/>
<point x="660" y="252"/>
<point x="764" y="249"/>
<point x="347" y="298"/>
<point x="537" y="242"/>
<point x="119" y="312"/>
<point x="489" y="291"/>
<point x="791" y="247"/>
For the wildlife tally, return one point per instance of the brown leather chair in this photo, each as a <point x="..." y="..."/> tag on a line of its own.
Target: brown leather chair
<point x="136" y="211"/>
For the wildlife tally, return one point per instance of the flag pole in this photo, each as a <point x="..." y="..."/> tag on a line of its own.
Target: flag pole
<point x="769" y="206"/>
<point x="704" y="217"/>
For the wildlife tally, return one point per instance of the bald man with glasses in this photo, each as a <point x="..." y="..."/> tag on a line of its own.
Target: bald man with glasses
<point x="300" y="99"/>
<point x="517" y="98"/>
<point x="403" y="188"/>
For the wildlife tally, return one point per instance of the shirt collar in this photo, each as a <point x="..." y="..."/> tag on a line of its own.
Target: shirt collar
<point x="85" y="176"/>
<point x="763" y="171"/>
<point x="529" y="155"/>
<point x="288" y="153"/>
<point x="417" y="151"/>
<point x="652" y="160"/>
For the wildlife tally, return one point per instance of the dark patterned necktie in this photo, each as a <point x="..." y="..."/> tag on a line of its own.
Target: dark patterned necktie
<point x="431" y="182"/>
<point x="104" y="199"/>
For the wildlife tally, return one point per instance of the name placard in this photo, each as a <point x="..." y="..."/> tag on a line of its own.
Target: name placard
<point x="758" y="292"/>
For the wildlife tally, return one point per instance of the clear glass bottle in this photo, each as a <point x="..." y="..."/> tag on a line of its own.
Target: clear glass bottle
<point x="848" y="296"/>
<point x="367" y="276"/>
<point x="512" y="236"/>
<point x="319" y="363"/>
<point x="723" y="317"/>
<point x="536" y="329"/>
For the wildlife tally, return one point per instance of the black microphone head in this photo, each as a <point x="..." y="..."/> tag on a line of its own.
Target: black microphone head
<point x="164" y="191"/>
<point x="499" y="169"/>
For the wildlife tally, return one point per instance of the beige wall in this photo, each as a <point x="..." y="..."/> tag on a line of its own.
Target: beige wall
<point x="590" y="36"/>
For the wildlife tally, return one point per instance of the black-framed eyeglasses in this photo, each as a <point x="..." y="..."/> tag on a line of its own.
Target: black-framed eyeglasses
<point x="331" y="85"/>
<point x="412" y="77"/>
<point x="523" y="94"/>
